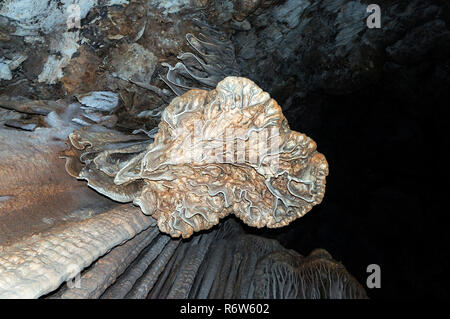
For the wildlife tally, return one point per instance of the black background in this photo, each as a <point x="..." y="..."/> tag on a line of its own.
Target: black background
<point x="386" y="195"/>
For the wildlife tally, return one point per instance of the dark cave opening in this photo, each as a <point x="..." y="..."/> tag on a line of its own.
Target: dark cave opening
<point x="381" y="203"/>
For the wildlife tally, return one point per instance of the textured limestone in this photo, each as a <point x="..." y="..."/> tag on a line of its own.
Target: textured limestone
<point x="41" y="263"/>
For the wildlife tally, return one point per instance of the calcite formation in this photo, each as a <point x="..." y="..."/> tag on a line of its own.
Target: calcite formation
<point x="212" y="60"/>
<point x="219" y="152"/>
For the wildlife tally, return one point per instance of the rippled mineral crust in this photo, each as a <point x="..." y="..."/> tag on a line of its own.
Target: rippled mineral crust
<point x="228" y="150"/>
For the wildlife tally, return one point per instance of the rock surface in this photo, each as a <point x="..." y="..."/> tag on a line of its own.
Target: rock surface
<point x="364" y="94"/>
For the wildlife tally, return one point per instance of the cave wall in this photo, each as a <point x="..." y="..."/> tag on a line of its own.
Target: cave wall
<point x="375" y="101"/>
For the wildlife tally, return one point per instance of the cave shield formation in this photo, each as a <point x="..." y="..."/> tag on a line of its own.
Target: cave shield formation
<point x="142" y="158"/>
<point x="229" y="150"/>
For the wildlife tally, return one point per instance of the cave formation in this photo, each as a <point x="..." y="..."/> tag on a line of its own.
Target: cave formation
<point x="88" y="91"/>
